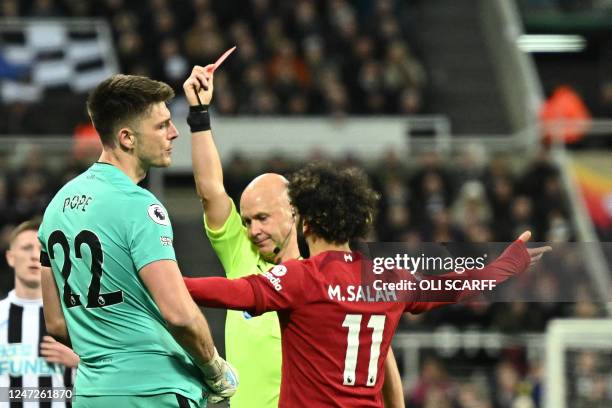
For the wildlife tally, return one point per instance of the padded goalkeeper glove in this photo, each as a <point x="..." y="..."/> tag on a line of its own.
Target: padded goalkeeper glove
<point x="215" y="399"/>
<point x="220" y="377"/>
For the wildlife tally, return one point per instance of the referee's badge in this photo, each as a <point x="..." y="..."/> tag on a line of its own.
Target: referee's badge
<point x="158" y="214"/>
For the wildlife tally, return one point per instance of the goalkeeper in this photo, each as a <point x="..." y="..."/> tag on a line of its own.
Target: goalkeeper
<point x="111" y="284"/>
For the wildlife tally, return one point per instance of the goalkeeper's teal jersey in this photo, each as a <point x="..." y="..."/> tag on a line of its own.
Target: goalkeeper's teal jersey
<point x="97" y="233"/>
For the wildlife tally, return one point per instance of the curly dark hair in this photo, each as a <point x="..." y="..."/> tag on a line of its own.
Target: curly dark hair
<point x="337" y="204"/>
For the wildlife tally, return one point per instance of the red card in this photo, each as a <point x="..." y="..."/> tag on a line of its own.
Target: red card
<point x="223" y="58"/>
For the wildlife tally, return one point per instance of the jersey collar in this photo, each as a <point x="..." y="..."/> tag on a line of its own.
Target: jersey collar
<point x="111" y="170"/>
<point x="13" y="298"/>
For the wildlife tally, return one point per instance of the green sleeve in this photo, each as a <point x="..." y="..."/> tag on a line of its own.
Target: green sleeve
<point x="233" y="247"/>
<point x="42" y="239"/>
<point x="149" y="232"/>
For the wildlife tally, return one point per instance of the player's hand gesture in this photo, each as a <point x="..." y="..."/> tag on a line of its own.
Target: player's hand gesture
<point x="199" y="86"/>
<point x="534" y="253"/>
<point x="55" y="352"/>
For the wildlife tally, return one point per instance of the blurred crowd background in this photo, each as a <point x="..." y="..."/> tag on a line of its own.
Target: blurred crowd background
<point x="294" y="58"/>
<point x="339" y="58"/>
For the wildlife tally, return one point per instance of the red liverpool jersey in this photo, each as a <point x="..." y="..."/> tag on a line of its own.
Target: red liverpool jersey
<point x="336" y="330"/>
<point x="335" y="337"/>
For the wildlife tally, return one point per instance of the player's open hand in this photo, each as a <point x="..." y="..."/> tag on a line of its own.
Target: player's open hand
<point x="55" y="352"/>
<point x="534" y="253"/>
<point x="199" y="86"/>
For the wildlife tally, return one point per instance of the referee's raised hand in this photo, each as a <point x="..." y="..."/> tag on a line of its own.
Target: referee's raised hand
<point x="534" y="253"/>
<point x="199" y="86"/>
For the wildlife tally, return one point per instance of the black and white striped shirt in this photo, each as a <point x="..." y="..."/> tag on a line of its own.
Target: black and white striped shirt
<point x="22" y="327"/>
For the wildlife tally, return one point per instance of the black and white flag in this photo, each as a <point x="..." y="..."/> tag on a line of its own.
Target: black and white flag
<point x="36" y="55"/>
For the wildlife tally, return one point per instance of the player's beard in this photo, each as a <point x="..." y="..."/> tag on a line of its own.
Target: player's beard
<point x="165" y="160"/>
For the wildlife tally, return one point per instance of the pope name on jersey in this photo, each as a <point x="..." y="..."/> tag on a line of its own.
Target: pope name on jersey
<point x="113" y="322"/>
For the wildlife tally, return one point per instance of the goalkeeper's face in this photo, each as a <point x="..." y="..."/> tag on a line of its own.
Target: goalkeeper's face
<point x="153" y="135"/>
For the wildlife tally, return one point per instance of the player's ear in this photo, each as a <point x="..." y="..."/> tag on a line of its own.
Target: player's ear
<point x="10" y="258"/>
<point x="126" y="138"/>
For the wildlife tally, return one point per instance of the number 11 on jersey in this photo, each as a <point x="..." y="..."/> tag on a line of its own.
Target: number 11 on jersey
<point x="353" y="322"/>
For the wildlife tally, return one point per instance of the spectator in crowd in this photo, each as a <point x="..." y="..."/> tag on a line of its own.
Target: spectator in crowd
<point x="433" y="384"/>
<point x="22" y="308"/>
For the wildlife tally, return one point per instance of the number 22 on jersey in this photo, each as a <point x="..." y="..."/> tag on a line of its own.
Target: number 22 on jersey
<point x="94" y="297"/>
<point x="353" y="323"/>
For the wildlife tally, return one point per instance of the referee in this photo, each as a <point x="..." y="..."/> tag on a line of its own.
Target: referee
<point x="28" y="356"/>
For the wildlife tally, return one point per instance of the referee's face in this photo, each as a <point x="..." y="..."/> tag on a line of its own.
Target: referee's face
<point x="268" y="221"/>
<point x="154" y="138"/>
<point x="24" y="257"/>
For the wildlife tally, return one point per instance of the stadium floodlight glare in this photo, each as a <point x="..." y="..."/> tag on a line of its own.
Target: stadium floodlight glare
<point x="551" y="43"/>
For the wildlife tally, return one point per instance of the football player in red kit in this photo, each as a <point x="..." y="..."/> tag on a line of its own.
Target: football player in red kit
<point x="335" y="342"/>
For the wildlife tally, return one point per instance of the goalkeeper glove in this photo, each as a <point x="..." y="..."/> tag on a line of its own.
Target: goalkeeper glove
<point x="220" y="377"/>
<point x="215" y="399"/>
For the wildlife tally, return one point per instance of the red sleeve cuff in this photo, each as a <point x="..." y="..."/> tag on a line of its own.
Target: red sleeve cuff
<point x="521" y="249"/>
